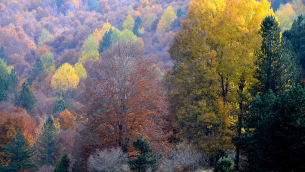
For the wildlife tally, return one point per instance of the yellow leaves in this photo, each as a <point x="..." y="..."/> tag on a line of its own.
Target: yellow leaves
<point x="166" y="21"/>
<point x="128" y="23"/>
<point x="90" y="49"/>
<point x="65" y="77"/>
<point x="285" y="15"/>
<point x="98" y="34"/>
<point x="80" y="70"/>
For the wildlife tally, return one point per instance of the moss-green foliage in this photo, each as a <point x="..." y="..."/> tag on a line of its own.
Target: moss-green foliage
<point x="25" y="98"/>
<point x="48" y="61"/>
<point x="224" y="165"/>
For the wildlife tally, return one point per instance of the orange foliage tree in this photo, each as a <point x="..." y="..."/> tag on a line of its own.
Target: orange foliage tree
<point x="125" y="100"/>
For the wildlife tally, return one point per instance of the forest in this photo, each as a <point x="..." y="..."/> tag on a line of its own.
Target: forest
<point x="152" y="85"/>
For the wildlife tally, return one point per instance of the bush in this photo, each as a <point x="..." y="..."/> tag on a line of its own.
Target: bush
<point x="224" y="165"/>
<point x="108" y="160"/>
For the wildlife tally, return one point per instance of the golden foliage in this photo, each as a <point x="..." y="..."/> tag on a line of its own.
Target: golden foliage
<point x="90" y="49"/>
<point x="65" y="77"/>
<point x="67" y="120"/>
<point x="128" y="23"/>
<point x="80" y="70"/>
<point x="166" y="21"/>
<point x="98" y="34"/>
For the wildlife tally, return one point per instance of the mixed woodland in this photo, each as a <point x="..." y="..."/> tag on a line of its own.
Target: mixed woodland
<point x="152" y="85"/>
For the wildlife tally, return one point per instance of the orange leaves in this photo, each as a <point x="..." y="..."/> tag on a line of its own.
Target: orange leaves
<point x="67" y="120"/>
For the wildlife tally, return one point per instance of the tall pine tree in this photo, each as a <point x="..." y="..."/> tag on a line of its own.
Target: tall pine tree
<point x="63" y="165"/>
<point x="19" y="153"/>
<point x="47" y="144"/>
<point x="145" y="158"/>
<point x="4" y="81"/>
<point x="270" y="69"/>
<point x="37" y="69"/>
<point x="106" y="42"/>
<point x="25" y="98"/>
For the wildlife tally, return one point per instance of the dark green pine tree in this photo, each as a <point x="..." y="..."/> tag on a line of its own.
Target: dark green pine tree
<point x="275" y="132"/>
<point x="59" y="106"/>
<point x="95" y="6"/>
<point x="19" y="153"/>
<point x="135" y="30"/>
<point x="63" y="165"/>
<point x="25" y="98"/>
<point x="138" y="21"/>
<point x="180" y="12"/>
<point x="47" y="144"/>
<point x="270" y="68"/>
<point x="145" y="157"/>
<point x="3" y="55"/>
<point x="106" y="42"/>
<point x="296" y="37"/>
<point x="4" y="83"/>
<point x="37" y="69"/>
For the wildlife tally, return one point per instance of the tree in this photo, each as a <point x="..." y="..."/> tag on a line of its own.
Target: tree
<point x="129" y="23"/>
<point x="14" y="78"/>
<point x="90" y="49"/>
<point x="167" y="20"/>
<point x="126" y="90"/>
<point x="298" y="7"/>
<point x="212" y="77"/>
<point x="108" y="160"/>
<point x="98" y="34"/>
<point x="48" y="62"/>
<point x="66" y="120"/>
<point x="138" y="21"/>
<point x="224" y="165"/>
<point x="63" y="165"/>
<point x="4" y="81"/>
<point x="180" y="12"/>
<point x="274" y="138"/>
<point x="47" y="144"/>
<point x="270" y="69"/>
<point x="95" y="6"/>
<point x="135" y="30"/>
<point x="65" y="77"/>
<point x="150" y="20"/>
<point x="19" y="153"/>
<point x="59" y="106"/>
<point x="106" y="42"/>
<point x="285" y="15"/>
<point x="37" y="69"/>
<point x="3" y="55"/>
<point x="44" y="37"/>
<point x="59" y="3"/>
<point x="25" y="98"/>
<point x="145" y="158"/>
<point x="80" y="70"/>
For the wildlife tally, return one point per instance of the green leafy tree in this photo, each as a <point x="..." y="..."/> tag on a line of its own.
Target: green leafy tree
<point x="90" y="49"/>
<point x="25" y="98"/>
<point x="14" y="78"/>
<point x="3" y="55"/>
<point x="48" y="61"/>
<point x="19" y="153"/>
<point x="47" y="144"/>
<point x="149" y="21"/>
<point x="106" y="42"/>
<point x="224" y="165"/>
<point x="180" y="12"/>
<point x="145" y="158"/>
<point x="44" y="37"/>
<point x="63" y="165"/>
<point x="274" y="139"/>
<point x="95" y="6"/>
<point x="4" y="81"/>
<point x="167" y="20"/>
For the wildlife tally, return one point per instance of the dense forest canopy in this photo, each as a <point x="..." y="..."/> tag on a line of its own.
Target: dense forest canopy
<point x="152" y="85"/>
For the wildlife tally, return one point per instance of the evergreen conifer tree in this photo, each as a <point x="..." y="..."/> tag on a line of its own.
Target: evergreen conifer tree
<point x="135" y="30"/>
<point x="3" y="55"/>
<point x="270" y="69"/>
<point x="145" y="157"/>
<point x="138" y="21"/>
<point x="37" y="69"/>
<point x="63" y="165"/>
<point x="106" y="42"/>
<point x="59" y="106"/>
<point x="3" y="81"/>
<point x="47" y="145"/>
<point x="14" y="78"/>
<point x="224" y="165"/>
<point x="179" y="12"/>
<point x="19" y="154"/>
<point x="25" y="98"/>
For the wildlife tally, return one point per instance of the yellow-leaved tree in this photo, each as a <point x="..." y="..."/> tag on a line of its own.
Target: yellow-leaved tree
<point x="90" y="49"/>
<point x="128" y="23"/>
<point x="98" y="34"/>
<point x="214" y="70"/>
<point x="285" y="15"/>
<point x="80" y="70"/>
<point x="166" y="21"/>
<point x="65" y="77"/>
